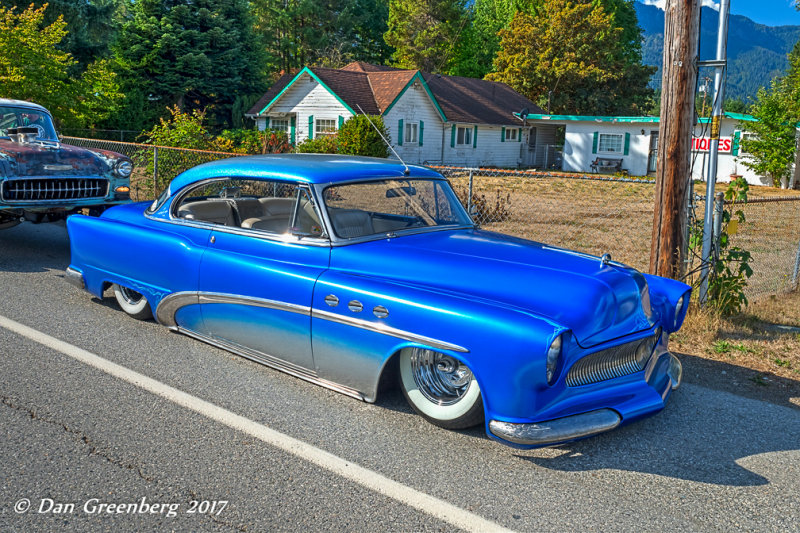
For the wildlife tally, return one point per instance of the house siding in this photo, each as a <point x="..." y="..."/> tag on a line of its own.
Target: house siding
<point x="415" y="105"/>
<point x="306" y="98"/>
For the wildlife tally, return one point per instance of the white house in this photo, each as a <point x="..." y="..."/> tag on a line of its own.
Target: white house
<point x="433" y="119"/>
<point x="634" y="140"/>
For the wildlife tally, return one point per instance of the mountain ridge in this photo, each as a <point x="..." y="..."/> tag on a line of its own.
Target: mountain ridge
<point x="756" y="53"/>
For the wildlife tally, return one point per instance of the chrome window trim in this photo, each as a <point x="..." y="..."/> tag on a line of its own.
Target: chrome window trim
<point x="336" y="241"/>
<point x="169" y="306"/>
<point x="237" y="230"/>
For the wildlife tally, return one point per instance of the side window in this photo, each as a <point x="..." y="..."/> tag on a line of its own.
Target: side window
<point x="266" y="206"/>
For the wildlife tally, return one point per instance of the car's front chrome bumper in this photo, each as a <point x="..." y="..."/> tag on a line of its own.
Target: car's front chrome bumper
<point x="571" y="427"/>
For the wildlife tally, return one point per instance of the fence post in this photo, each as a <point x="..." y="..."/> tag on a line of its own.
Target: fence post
<point x="469" y="195"/>
<point x="155" y="171"/>
<point x="718" y="208"/>
<point x="796" y="267"/>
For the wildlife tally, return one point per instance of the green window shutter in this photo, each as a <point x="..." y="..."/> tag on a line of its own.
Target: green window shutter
<point x="519" y="135"/>
<point x="594" y="142"/>
<point x="266" y="123"/>
<point x="503" y="134"/>
<point x="737" y="138"/>
<point x="627" y="148"/>
<point x="400" y="132"/>
<point x="453" y="136"/>
<point x="310" y="126"/>
<point x="341" y="121"/>
<point x="421" y="130"/>
<point x="475" y="137"/>
<point x="293" y="126"/>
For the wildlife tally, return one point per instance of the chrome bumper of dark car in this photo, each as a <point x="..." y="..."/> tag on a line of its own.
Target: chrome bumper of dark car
<point x="571" y="427"/>
<point x="75" y="278"/>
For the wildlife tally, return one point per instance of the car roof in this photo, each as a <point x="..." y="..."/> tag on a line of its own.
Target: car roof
<point x="305" y="168"/>
<point x="22" y="103"/>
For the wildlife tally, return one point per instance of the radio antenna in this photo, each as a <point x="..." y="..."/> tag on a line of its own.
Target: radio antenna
<point x="407" y="171"/>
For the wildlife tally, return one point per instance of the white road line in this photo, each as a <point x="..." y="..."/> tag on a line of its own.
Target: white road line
<point x="353" y="472"/>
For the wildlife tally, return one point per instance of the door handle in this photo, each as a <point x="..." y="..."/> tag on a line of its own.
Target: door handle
<point x="213" y="239"/>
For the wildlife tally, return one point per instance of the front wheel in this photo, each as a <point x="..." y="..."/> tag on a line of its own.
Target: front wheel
<point x="132" y="302"/>
<point x="440" y="388"/>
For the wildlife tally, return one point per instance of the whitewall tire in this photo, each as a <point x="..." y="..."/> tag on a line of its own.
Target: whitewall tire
<point x="132" y="302"/>
<point x="440" y="388"/>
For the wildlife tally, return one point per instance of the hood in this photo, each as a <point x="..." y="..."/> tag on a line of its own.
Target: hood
<point x="52" y="159"/>
<point x="598" y="302"/>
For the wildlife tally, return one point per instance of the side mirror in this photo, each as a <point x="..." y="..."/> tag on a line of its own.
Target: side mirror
<point x="401" y="191"/>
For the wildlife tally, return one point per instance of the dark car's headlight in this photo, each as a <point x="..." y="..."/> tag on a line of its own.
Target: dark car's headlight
<point x="123" y="168"/>
<point x="553" y="357"/>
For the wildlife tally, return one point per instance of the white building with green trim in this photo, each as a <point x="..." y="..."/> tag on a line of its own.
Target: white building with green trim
<point x="634" y="141"/>
<point x="432" y="119"/>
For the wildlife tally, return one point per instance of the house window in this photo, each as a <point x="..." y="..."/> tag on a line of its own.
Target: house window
<point x="279" y="125"/>
<point x="610" y="142"/>
<point x="464" y="135"/>
<point x="511" y="134"/>
<point x="325" y="126"/>
<point x="411" y="132"/>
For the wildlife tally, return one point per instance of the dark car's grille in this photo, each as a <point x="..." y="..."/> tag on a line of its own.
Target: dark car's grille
<point x="49" y="189"/>
<point x="612" y="362"/>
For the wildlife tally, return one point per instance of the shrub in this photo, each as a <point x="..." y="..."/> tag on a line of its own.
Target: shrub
<point x="242" y="141"/>
<point x="358" y="136"/>
<point x="324" y="144"/>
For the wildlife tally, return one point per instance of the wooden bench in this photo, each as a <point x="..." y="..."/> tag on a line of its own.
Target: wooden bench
<point x="606" y="164"/>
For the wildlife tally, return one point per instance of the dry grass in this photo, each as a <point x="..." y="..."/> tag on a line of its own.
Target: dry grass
<point x="750" y="340"/>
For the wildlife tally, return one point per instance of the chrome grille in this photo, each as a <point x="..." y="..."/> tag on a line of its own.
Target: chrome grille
<point x="53" y="189"/>
<point x="613" y="362"/>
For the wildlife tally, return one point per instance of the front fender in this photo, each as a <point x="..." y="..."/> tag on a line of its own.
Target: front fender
<point x="505" y="347"/>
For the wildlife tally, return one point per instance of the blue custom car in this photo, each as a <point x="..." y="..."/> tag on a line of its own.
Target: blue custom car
<point x="340" y="269"/>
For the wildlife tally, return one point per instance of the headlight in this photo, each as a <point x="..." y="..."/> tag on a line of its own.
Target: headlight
<point x="553" y="355"/>
<point x="123" y="168"/>
<point x="678" y="309"/>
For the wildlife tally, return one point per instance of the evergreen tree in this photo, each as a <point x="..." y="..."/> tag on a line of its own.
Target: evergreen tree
<point x="91" y="25"/>
<point x="425" y="33"/>
<point x="331" y="33"/>
<point x="196" y="54"/>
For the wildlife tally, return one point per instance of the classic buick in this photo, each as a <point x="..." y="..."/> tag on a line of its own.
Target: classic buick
<point x="42" y="179"/>
<point x="340" y="269"/>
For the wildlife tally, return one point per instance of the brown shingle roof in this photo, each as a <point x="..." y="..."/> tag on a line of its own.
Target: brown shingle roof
<point x="375" y="87"/>
<point x="360" y="66"/>
<point x="352" y="87"/>
<point x="478" y="101"/>
<point x="387" y="85"/>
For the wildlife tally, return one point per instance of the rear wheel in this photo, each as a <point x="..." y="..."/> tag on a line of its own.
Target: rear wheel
<point x="132" y="302"/>
<point x="440" y="388"/>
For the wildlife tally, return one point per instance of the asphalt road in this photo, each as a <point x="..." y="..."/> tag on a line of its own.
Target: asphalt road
<point x="184" y="422"/>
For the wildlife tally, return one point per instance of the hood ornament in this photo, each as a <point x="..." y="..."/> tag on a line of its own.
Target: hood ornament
<point x="605" y="259"/>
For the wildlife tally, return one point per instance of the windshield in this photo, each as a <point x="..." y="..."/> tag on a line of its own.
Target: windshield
<point x="389" y="206"/>
<point x="16" y="117"/>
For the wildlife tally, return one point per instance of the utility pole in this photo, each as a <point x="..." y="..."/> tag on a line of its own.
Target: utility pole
<point x="678" y="84"/>
<point x="719" y="65"/>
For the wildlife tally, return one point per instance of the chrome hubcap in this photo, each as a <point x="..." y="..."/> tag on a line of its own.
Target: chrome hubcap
<point x="440" y="378"/>
<point x="132" y="297"/>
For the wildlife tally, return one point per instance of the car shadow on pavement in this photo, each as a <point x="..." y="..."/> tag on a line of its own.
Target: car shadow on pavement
<point x="702" y="435"/>
<point x="34" y="247"/>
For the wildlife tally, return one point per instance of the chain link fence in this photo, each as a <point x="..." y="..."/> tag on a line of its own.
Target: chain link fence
<point x="153" y="166"/>
<point x="595" y="214"/>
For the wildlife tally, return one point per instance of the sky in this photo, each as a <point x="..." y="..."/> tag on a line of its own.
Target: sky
<point x="769" y="12"/>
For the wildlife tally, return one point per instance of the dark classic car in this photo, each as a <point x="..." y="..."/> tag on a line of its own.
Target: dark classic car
<point x="340" y="269"/>
<point x="42" y="179"/>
